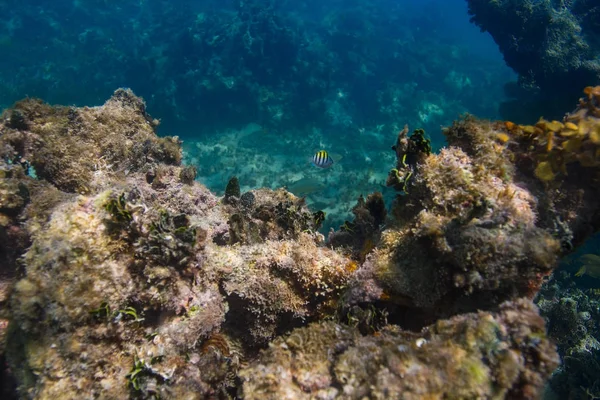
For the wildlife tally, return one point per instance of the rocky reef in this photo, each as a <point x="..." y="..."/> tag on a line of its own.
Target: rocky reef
<point x="123" y="277"/>
<point x="551" y="44"/>
<point x="469" y="356"/>
<point x="132" y="266"/>
<point x="484" y="220"/>
<point x="570" y="303"/>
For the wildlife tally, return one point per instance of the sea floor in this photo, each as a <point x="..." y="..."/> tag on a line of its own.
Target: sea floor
<point x="273" y="159"/>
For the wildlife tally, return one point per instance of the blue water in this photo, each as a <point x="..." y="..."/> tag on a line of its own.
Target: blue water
<point x="254" y="88"/>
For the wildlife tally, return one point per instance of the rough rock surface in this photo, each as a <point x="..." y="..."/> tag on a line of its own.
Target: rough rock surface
<point x="138" y="282"/>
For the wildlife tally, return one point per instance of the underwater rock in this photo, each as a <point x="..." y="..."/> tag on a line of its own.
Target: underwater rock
<point x="133" y="287"/>
<point x="573" y="321"/>
<point x="247" y="200"/>
<point x="264" y="214"/>
<point x="188" y="175"/>
<point x="109" y="290"/>
<point x="278" y="284"/>
<point x="550" y="45"/>
<point x="76" y="149"/>
<point x="504" y="354"/>
<point x="124" y="280"/>
<point x="14" y="197"/>
<point x="360" y="235"/>
<point x="479" y="222"/>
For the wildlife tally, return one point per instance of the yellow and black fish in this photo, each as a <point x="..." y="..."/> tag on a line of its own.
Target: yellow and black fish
<point x="322" y="159"/>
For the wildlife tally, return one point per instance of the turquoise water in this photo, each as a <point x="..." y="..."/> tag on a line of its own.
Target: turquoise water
<point x="255" y="89"/>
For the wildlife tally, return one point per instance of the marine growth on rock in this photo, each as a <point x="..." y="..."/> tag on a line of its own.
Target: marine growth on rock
<point x="123" y="277"/>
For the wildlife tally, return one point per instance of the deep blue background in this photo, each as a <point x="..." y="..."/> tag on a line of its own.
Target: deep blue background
<point x="179" y="55"/>
<point x="343" y="75"/>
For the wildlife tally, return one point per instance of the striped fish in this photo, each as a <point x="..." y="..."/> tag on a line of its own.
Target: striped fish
<point x="322" y="159"/>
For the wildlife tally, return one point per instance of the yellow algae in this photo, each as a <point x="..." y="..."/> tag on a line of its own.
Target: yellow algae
<point x="509" y="125"/>
<point x="591" y="266"/>
<point x="528" y="129"/>
<point x="550" y="142"/>
<point x="571" y="126"/>
<point x="554" y="126"/>
<point x="544" y="171"/>
<point x="502" y="137"/>
<point x="584" y="128"/>
<point x="595" y="135"/>
<point x="351" y="266"/>
<point x="568" y="133"/>
<point x="572" y="145"/>
<point x="541" y="123"/>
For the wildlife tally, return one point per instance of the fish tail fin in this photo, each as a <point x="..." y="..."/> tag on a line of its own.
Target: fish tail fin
<point x="336" y="157"/>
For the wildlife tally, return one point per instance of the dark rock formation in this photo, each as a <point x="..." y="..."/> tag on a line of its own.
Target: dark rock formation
<point x="552" y="44"/>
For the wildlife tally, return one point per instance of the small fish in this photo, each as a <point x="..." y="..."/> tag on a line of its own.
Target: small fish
<point x="306" y="186"/>
<point x="322" y="159"/>
<point x="591" y="266"/>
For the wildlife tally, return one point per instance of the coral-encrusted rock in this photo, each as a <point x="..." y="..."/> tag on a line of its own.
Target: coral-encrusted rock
<point x="282" y="280"/>
<point x="484" y="355"/>
<point x="466" y="230"/>
<point x="139" y="286"/>
<point x="106" y="273"/>
<point x="486" y="219"/>
<point x="14" y="196"/>
<point x="264" y="214"/>
<point x="139" y="282"/>
<point x="573" y="321"/>
<point x="76" y="148"/>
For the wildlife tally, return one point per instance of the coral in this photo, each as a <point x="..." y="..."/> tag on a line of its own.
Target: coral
<point x="81" y="267"/>
<point x="136" y="273"/>
<point x="247" y="200"/>
<point x="232" y="191"/>
<point x="462" y="229"/>
<point x="188" y="174"/>
<point x="573" y="316"/>
<point x="14" y="196"/>
<point x="409" y="151"/>
<point x="484" y="355"/>
<point x="360" y="235"/>
<point x="170" y="241"/>
<point x="267" y="215"/>
<point x="279" y="281"/>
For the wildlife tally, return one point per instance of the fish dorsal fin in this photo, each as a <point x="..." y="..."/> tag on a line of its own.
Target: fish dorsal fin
<point x="590" y="259"/>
